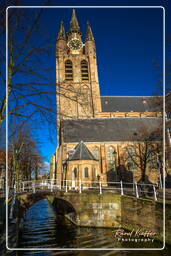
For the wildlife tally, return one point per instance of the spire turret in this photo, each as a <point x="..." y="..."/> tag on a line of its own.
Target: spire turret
<point x="61" y="34"/>
<point x="74" y="26"/>
<point x="89" y="34"/>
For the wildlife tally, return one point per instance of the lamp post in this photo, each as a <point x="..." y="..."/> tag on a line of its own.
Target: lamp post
<point x="16" y="167"/>
<point x="64" y="172"/>
<point x="98" y="178"/>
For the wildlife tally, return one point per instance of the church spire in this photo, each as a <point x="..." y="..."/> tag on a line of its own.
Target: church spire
<point x="74" y="27"/>
<point x="89" y="34"/>
<point x="61" y="34"/>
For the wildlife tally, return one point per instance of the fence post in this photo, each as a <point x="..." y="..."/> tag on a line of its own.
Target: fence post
<point x="23" y="186"/>
<point x="100" y="183"/>
<point x="122" y="188"/>
<point x="160" y="180"/>
<point x="33" y="187"/>
<point x="51" y="185"/>
<point x="66" y="188"/>
<point x="15" y="188"/>
<point x="155" y="195"/>
<point x="80" y="190"/>
<point x="42" y="184"/>
<point x="136" y="190"/>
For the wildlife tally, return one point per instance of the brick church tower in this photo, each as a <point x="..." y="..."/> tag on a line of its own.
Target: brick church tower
<point x="94" y="132"/>
<point x="78" y="94"/>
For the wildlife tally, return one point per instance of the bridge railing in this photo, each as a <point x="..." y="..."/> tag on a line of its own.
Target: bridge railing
<point x="127" y="188"/>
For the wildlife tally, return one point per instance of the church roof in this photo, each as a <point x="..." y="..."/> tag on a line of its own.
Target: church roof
<point x="81" y="152"/>
<point x="108" y="129"/>
<point x="127" y="104"/>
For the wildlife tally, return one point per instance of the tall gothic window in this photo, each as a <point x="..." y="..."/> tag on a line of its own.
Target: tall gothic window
<point x="84" y="70"/>
<point x="153" y="161"/>
<point x="94" y="175"/>
<point x="75" y="172"/>
<point x="86" y="172"/>
<point x="111" y="157"/>
<point x="130" y="159"/>
<point x="68" y="70"/>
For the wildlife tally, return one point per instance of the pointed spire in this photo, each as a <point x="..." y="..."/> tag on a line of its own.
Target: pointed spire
<point x="61" y="34"/>
<point x="89" y="34"/>
<point x="74" y="23"/>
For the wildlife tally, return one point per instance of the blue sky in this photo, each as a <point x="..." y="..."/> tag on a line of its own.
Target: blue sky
<point x="128" y="43"/>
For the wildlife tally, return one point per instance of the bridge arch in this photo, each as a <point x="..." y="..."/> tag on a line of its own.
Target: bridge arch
<point x="61" y="205"/>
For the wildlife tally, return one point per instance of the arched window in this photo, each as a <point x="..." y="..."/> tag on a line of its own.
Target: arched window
<point x="96" y="153"/>
<point x="94" y="175"/>
<point x="112" y="157"/>
<point x="86" y="172"/>
<point x="84" y="70"/>
<point x="130" y="159"/>
<point x="75" y="172"/>
<point x="153" y="161"/>
<point x="68" y="70"/>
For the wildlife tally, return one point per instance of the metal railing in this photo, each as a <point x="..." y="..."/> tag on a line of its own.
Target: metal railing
<point x="79" y="186"/>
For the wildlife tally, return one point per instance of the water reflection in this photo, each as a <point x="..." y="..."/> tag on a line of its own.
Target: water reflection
<point x="42" y="228"/>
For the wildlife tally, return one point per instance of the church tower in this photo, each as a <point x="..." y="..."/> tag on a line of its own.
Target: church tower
<point x="78" y="94"/>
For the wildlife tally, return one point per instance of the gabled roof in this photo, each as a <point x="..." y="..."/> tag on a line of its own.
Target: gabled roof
<point x="108" y="129"/>
<point x="81" y="152"/>
<point x="127" y="103"/>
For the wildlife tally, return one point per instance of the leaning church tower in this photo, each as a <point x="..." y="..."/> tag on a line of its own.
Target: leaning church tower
<point x="78" y="93"/>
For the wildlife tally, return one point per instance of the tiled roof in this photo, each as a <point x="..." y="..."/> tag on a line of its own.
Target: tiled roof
<point x="81" y="152"/>
<point x="108" y="129"/>
<point x="127" y="104"/>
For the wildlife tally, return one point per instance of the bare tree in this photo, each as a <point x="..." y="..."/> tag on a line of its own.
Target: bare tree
<point x="144" y="152"/>
<point x="29" y="85"/>
<point x="31" y="90"/>
<point x="26" y="157"/>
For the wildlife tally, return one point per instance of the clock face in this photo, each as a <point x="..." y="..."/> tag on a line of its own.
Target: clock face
<point x="75" y="44"/>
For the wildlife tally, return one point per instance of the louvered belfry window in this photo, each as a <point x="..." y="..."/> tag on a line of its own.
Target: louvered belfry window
<point x="84" y="70"/>
<point x="68" y="70"/>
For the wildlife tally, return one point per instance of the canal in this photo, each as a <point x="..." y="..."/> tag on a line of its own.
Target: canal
<point x="44" y="229"/>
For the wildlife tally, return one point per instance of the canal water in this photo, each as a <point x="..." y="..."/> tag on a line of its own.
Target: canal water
<point x="43" y="229"/>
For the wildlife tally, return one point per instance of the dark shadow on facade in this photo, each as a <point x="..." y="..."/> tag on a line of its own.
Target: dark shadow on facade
<point x="145" y="180"/>
<point x="121" y="174"/>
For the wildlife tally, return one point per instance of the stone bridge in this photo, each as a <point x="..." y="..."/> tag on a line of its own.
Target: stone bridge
<point x="86" y="209"/>
<point x="91" y="209"/>
<point x="92" y="205"/>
